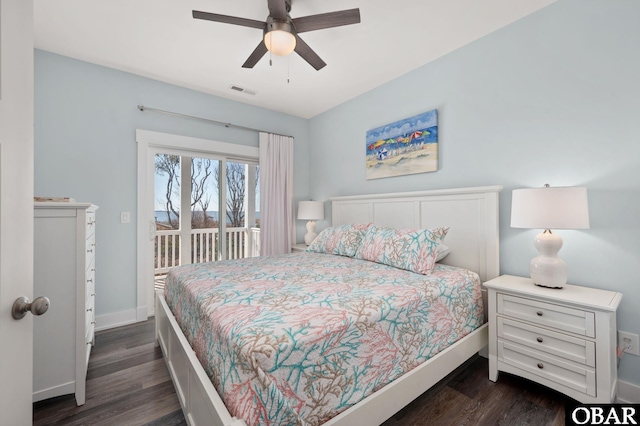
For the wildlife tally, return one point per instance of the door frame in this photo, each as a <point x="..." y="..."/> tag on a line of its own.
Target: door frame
<point x="150" y="142"/>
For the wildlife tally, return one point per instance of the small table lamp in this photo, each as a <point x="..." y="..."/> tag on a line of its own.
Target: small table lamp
<point x="310" y="210"/>
<point x="549" y="208"/>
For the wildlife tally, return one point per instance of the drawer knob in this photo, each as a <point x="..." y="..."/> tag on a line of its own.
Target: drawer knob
<point x="540" y="365"/>
<point x="539" y="313"/>
<point x="539" y="339"/>
<point x="90" y="280"/>
<point x="90" y="310"/>
<point x="90" y="251"/>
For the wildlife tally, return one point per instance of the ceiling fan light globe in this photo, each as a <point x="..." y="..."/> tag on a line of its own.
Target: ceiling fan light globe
<point x="279" y="42"/>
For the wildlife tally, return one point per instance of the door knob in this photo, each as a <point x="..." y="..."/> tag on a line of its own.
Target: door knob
<point x="22" y="305"/>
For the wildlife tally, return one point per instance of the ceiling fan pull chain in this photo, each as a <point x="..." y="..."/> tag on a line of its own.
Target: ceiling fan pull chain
<point x="288" y="68"/>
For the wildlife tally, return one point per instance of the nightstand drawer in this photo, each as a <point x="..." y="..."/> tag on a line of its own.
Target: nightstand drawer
<point x="559" y="317"/>
<point x="581" y="379"/>
<point x="558" y="344"/>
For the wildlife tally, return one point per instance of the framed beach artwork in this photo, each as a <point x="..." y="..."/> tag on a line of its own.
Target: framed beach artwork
<point x="405" y="147"/>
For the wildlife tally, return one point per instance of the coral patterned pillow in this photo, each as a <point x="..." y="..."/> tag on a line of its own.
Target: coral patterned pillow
<point x="342" y="240"/>
<point x="411" y="249"/>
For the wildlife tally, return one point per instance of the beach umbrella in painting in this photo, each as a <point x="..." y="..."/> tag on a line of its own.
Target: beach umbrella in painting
<point x="415" y="135"/>
<point x="382" y="154"/>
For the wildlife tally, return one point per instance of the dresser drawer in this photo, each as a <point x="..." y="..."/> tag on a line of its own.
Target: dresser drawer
<point x="89" y="317"/>
<point x="557" y="344"/>
<point x="90" y="332"/>
<point x="571" y="375"/>
<point x="91" y="221"/>
<point x="90" y="248"/>
<point x="90" y="289"/>
<point x="577" y="321"/>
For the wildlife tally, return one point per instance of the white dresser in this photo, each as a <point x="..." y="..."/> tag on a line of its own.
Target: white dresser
<point x="562" y="338"/>
<point x="64" y="271"/>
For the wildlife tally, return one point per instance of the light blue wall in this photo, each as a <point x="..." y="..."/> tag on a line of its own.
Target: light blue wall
<point x="553" y="98"/>
<point x="85" y="148"/>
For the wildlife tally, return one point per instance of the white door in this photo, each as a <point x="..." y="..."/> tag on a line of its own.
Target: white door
<point x="16" y="208"/>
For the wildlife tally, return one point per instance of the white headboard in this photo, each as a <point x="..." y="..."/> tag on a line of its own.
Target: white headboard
<point x="471" y="213"/>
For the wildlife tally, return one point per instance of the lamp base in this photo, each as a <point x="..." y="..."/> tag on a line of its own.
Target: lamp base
<point x="311" y="232"/>
<point x="548" y="286"/>
<point x="547" y="269"/>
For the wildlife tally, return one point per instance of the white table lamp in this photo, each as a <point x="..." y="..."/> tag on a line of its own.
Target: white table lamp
<point x="549" y="208"/>
<point x="310" y="210"/>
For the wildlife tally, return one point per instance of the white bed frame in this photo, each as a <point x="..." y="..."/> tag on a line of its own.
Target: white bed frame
<point x="472" y="215"/>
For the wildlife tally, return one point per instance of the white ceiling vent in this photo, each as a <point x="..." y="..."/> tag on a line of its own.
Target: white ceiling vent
<point x="242" y="90"/>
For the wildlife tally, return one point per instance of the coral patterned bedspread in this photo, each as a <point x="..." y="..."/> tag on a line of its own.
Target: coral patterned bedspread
<point x="299" y="338"/>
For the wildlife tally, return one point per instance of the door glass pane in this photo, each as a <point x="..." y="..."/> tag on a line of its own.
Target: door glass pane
<point x="204" y="210"/>
<point x="256" y="223"/>
<point x="167" y="214"/>
<point x="236" y="210"/>
<point x="167" y="191"/>
<point x="255" y="227"/>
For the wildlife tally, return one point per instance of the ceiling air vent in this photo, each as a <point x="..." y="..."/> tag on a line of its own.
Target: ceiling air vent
<point x="242" y="90"/>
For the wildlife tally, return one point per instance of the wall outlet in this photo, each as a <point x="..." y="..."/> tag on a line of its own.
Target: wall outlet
<point x="125" y="217"/>
<point x="628" y="342"/>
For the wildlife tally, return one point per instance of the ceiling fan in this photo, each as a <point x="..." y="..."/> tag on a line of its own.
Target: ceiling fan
<point x="281" y="31"/>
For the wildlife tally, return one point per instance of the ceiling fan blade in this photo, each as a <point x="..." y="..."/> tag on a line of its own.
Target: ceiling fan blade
<point x="326" y="20"/>
<point x="257" y="54"/>
<point x="308" y="54"/>
<point x="278" y="9"/>
<point x="226" y="19"/>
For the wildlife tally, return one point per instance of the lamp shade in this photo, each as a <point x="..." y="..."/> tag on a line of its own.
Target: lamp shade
<point x="311" y="210"/>
<point x="550" y="208"/>
<point x="280" y="42"/>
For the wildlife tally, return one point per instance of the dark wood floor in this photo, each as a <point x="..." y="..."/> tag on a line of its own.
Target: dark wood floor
<point x="128" y="384"/>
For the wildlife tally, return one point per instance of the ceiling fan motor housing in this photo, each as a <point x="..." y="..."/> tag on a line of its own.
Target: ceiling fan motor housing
<point x="276" y="25"/>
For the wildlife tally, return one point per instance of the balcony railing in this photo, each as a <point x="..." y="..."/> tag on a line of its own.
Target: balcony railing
<point x="240" y="243"/>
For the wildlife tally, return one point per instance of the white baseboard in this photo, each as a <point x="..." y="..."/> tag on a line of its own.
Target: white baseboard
<point x="142" y="313"/>
<point x="116" y="319"/>
<point x="628" y="393"/>
<point x="63" y="389"/>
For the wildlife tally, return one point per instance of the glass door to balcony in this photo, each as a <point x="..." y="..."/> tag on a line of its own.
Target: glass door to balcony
<point x="189" y="192"/>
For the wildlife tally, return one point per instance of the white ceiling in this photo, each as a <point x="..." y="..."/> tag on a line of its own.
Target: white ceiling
<point x="159" y="39"/>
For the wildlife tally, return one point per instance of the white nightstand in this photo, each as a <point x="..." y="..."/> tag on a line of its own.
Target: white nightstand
<point x="562" y="338"/>
<point x="298" y="248"/>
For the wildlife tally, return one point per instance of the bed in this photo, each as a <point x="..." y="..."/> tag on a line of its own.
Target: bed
<point x="472" y="216"/>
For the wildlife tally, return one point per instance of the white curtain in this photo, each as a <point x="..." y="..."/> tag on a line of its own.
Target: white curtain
<point x="277" y="224"/>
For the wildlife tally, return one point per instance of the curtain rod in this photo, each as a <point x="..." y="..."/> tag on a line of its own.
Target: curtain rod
<point x="227" y="125"/>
